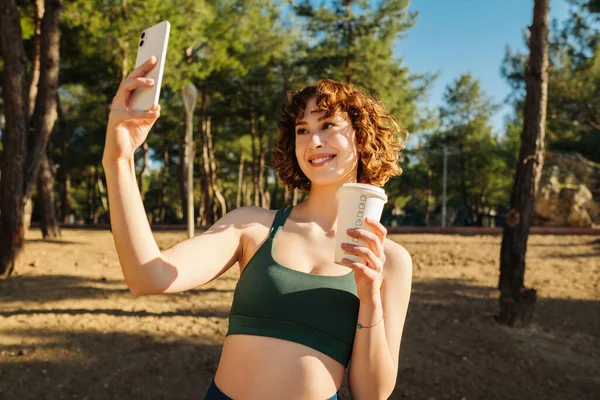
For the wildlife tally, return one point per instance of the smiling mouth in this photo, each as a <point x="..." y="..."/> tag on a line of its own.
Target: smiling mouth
<point x="321" y="161"/>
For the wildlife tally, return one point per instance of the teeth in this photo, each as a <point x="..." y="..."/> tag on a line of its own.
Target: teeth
<point x="320" y="160"/>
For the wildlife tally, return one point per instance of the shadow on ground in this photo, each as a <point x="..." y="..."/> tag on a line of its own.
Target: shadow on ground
<point x="452" y="349"/>
<point x="107" y="366"/>
<point x="44" y="288"/>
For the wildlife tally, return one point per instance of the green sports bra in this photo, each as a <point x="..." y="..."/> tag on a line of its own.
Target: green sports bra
<point x="315" y="310"/>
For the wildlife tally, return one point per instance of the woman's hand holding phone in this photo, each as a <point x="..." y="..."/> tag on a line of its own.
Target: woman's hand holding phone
<point x="127" y="129"/>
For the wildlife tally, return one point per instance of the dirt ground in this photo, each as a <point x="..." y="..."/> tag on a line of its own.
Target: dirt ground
<point x="70" y="328"/>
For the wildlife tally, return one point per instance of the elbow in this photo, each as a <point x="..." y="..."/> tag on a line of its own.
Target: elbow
<point x="380" y="392"/>
<point x="144" y="280"/>
<point x="136" y="292"/>
<point x="138" y="288"/>
<point x="389" y="387"/>
<point x="387" y="394"/>
<point x="386" y="391"/>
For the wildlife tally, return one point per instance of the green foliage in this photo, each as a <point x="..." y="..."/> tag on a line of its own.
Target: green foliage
<point x="353" y="41"/>
<point x="573" y="116"/>
<point x="479" y="170"/>
<point x="243" y="56"/>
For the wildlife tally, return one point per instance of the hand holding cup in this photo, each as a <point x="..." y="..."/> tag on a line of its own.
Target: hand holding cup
<point x="360" y="235"/>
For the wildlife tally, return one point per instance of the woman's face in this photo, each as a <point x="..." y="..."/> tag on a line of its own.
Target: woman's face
<point x="326" y="146"/>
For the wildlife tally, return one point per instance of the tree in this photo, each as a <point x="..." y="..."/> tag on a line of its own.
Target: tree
<point x="573" y="117"/>
<point x="354" y="41"/>
<point x="24" y="149"/>
<point x="14" y="143"/>
<point x="466" y="129"/>
<point x="517" y="302"/>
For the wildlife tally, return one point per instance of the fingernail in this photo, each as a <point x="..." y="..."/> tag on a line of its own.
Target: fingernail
<point x="150" y="80"/>
<point x="351" y="230"/>
<point x="152" y="59"/>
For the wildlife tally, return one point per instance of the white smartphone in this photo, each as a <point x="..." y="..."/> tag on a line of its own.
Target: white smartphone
<point x="153" y="42"/>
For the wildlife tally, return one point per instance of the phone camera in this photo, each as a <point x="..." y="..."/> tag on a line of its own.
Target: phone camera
<point x="143" y="34"/>
<point x="141" y="43"/>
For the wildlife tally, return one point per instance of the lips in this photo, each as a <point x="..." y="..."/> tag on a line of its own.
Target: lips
<point x="321" y="159"/>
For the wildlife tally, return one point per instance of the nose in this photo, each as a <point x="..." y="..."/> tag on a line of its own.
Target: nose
<point x="315" y="140"/>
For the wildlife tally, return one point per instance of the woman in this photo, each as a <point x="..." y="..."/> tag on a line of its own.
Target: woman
<point x="297" y="318"/>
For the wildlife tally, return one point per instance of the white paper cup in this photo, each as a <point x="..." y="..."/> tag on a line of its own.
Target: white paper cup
<point x="356" y="201"/>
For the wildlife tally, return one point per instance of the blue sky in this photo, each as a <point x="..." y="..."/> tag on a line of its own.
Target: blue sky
<point x="458" y="36"/>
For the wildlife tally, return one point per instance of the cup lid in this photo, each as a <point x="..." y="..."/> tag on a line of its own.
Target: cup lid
<point x="372" y="189"/>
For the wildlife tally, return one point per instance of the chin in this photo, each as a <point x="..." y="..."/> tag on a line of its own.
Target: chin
<point x="327" y="181"/>
<point x="333" y="177"/>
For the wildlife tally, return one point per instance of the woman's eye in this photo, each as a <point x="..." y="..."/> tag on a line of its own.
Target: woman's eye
<point x="300" y="131"/>
<point x="327" y="123"/>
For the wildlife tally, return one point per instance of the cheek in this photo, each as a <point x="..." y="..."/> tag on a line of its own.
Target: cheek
<point x="299" y="152"/>
<point x="348" y="146"/>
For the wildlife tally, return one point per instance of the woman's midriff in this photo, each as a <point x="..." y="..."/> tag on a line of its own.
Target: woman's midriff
<point x="259" y="367"/>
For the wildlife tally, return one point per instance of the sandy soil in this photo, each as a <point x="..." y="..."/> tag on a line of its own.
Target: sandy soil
<point x="70" y="329"/>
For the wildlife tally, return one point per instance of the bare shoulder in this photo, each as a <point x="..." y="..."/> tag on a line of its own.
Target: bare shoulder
<point x="397" y="258"/>
<point x="250" y="214"/>
<point x="246" y="221"/>
<point x="255" y="222"/>
<point x="254" y="218"/>
<point x="246" y="217"/>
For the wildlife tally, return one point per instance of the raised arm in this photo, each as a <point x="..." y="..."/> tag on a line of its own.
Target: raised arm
<point x="146" y="269"/>
<point x="188" y="264"/>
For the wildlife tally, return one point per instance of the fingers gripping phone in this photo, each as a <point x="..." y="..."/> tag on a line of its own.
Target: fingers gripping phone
<point x="153" y="42"/>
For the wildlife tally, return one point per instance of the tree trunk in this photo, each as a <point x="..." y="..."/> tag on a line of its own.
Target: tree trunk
<point x="64" y="174"/>
<point x="238" y="197"/>
<point x="45" y="199"/>
<point x="275" y="194"/>
<point x="45" y="113"/>
<point x="162" y="192"/>
<point x="34" y="77"/>
<point x="255" y="178"/>
<point x="91" y="188"/>
<point x="287" y="197"/>
<point x="183" y="156"/>
<point x="15" y="93"/>
<point x="213" y="170"/>
<point x="261" y="168"/>
<point x="517" y="302"/>
<point x="183" y="162"/>
<point x="124" y="43"/>
<point x="65" y="207"/>
<point x="463" y="179"/>
<point x="208" y="217"/>
<point x="427" y="197"/>
<point x="27" y="211"/>
<point x="95" y="193"/>
<point x="247" y="193"/>
<point x="102" y="192"/>
<point x="349" y="40"/>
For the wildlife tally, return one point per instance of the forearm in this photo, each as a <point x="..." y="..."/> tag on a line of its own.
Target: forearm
<point x="372" y="373"/>
<point x="138" y="252"/>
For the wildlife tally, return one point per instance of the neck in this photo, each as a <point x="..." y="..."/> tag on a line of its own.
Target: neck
<point x="321" y="206"/>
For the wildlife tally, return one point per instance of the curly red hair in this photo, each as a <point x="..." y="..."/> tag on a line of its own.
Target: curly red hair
<point x="379" y="138"/>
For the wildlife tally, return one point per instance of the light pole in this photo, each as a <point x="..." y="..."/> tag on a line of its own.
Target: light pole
<point x="189" y="93"/>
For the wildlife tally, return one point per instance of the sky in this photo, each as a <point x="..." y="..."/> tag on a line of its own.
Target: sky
<point x="459" y="36"/>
